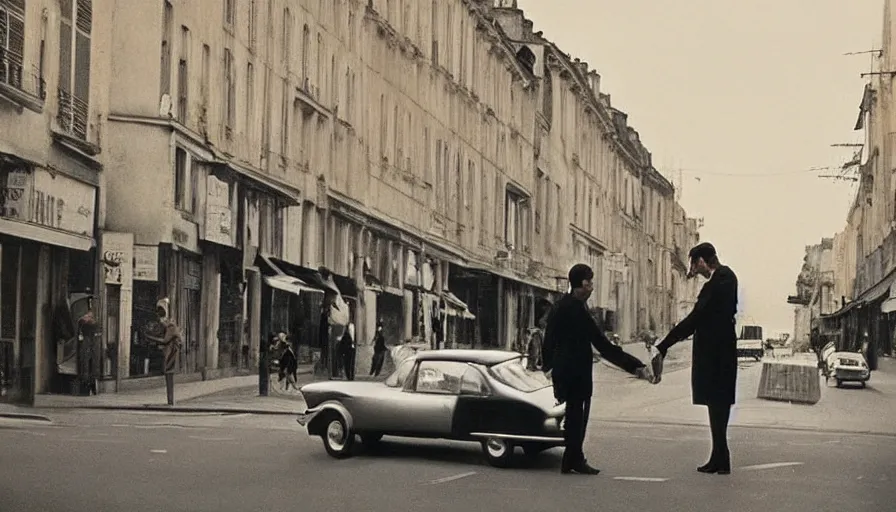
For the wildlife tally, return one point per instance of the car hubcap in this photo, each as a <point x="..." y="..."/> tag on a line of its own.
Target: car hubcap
<point x="336" y="435"/>
<point x="496" y="447"/>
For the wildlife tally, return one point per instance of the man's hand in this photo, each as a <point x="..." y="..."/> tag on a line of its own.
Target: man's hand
<point x="645" y="374"/>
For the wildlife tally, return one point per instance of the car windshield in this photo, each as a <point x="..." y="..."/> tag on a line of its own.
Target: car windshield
<point x="513" y="373"/>
<point x="396" y="380"/>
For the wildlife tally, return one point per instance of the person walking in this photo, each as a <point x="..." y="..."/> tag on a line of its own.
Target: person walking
<point x="714" y="352"/>
<point x="379" y="351"/>
<point x="347" y="352"/>
<point x="568" y="358"/>
<point x="289" y="363"/>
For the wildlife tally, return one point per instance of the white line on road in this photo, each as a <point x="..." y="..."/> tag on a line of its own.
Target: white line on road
<point x="88" y="440"/>
<point x="771" y="465"/>
<point x="202" y="438"/>
<point x="158" y="451"/>
<point x="451" y="478"/>
<point x="640" y="479"/>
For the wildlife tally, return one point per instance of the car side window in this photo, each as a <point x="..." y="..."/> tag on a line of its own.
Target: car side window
<point x="440" y="377"/>
<point x="472" y="383"/>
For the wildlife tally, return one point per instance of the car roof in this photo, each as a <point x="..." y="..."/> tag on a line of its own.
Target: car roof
<point x="483" y="357"/>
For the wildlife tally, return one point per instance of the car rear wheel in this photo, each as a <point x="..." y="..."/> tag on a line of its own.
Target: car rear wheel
<point x="497" y="451"/>
<point x="839" y="383"/>
<point x="338" y="438"/>
<point x="863" y="384"/>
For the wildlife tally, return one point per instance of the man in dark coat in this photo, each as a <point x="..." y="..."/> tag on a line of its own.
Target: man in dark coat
<point x="714" y="358"/>
<point x="571" y="332"/>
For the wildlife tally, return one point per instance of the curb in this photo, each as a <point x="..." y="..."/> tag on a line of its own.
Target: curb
<point x="649" y="423"/>
<point x="193" y="410"/>
<point x="25" y="416"/>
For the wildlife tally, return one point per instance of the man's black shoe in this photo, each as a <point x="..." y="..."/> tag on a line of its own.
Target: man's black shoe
<point x="582" y="469"/>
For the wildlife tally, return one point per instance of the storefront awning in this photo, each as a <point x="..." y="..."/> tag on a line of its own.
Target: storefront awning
<point x="457" y="307"/>
<point x="290" y="285"/>
<point x="45" y="235"/>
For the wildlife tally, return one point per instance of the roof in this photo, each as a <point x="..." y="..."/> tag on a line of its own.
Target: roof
<point x="484" y="357"/>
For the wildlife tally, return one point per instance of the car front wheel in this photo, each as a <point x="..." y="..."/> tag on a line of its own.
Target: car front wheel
<point x="497" y="451"/>
<point x="338" y="438"/>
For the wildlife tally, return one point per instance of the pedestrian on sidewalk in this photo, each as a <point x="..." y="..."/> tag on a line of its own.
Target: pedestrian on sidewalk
<point x="714" y="365"/>
<point x="567" y="357"/>
<point x="289" y="363"/>
<point x="170" y="341"/>
<point x="379" y="350"/>
<point x="347" y="352"/>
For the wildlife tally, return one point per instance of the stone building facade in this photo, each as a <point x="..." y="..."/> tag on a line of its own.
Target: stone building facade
<point x="444" y="163"/>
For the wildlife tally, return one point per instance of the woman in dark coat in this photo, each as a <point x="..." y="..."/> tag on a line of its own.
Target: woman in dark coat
<point x="714" y="359"/>
<point x="289" y="363"/>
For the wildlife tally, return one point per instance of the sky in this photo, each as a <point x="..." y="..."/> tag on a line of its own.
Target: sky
<point x="738" y="102"/>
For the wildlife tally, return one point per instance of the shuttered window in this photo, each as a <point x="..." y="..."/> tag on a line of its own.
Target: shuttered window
<point x="74" y="66"/>
<point x="12" y="41"/>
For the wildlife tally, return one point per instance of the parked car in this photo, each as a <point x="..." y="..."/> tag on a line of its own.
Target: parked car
<point x="848" y="367"/>
<point x="749" y="343"/>
<point x="483" y="396"/>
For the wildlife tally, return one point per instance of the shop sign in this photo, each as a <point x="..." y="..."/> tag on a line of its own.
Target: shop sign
<point x="48" y="200"/>
<point x="146" y="263"/>
<point x="185" y="234"/>
<point x="218" y="215"/>
<point x="118" y="253"/>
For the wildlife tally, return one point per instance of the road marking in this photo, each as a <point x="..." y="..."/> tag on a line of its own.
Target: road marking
<point x="88" y="440"/>
<point x="202" y="438"/>
<point x="451" y="478"/>
<point x="158" y="451"/>
<point x="640" y="479"/>
<point x="771" y="465"/>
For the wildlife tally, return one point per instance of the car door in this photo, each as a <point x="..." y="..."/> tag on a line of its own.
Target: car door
<point x="431" y="397"/>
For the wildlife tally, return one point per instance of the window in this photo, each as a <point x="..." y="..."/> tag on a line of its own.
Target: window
<point x="229" y="13"/>
<point x="284" y="118"/>
<point x="183" y="84"/>
<point x="440" y="377"/>
<point x="185" y="182"/>
<point x="12" y="42"/>
<point x="271" y="228"/>
<point x="165" y="78"/>
<point x="514" y="212"/>
<point x="306" y="49"/>
<point x="513" y="373"/>
<point x="74" y="66"/>
<point x="229" y="92"/>
<point x="287" y="37"/>
<point x="206" y="74"/>
<point x="250" y="98"/>
<point x="253" y="20"/>
<point x="473" y="383"/>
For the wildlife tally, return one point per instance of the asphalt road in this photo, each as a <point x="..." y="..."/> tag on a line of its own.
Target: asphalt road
<point x="111" y="461"/>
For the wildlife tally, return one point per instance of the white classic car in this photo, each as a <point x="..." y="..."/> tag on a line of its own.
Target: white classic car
<point x="847" y="367"/>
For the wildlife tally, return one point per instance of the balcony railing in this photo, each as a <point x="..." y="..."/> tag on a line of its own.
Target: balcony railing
<point x="15" y="76"/>
<point x="72" y="115"/>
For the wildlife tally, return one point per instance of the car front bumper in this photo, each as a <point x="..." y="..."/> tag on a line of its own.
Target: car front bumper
<point x="306" y="417"/>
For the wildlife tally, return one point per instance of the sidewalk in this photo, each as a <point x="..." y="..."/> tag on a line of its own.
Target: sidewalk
<point x="186" y="395"/>
<point x="20" y="413"/>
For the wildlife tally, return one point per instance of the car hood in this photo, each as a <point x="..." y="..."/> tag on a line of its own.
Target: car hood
<point x="319" y="392"/>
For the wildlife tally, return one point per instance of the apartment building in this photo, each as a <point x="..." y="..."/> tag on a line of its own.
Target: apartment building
<point x="52" y="143"/>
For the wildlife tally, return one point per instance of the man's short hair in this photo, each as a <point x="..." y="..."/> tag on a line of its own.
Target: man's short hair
<point x="706" y="251"/>
<point x="578" y="274"/>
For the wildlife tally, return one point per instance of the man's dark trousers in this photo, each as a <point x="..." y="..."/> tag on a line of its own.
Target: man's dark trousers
<point x="719" y="414"/>
<point x="577" y="412"/>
